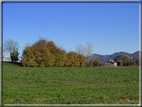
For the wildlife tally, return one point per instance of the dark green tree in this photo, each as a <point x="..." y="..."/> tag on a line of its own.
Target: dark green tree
<point x="14" y="55"/>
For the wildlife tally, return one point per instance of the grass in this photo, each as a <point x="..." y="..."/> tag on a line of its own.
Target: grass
<point x="76" y="85"/>
<point x="11" y="64"/>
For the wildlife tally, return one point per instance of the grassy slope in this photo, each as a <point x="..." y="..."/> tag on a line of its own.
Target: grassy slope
<point x="46" y="85"/>
<point x="10" y="64"/>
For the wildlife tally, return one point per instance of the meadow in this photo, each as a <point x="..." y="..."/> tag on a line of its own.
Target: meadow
<point x="70" y="85"/>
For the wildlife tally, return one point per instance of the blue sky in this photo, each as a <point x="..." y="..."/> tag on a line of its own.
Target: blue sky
<point x="109" y="27"/>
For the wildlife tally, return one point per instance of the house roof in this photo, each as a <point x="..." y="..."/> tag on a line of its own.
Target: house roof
<point x="111" y="62"/>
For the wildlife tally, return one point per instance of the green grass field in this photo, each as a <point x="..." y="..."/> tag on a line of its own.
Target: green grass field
<point x="76" y="85"/>
<point x="10" y="64"/>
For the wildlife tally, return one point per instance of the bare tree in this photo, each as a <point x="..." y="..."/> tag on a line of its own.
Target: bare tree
<point x="23" y="60"/>
<point x="89" y="49"/>
<point x="85" y="51"/>
<point x="89" y="52"/>
<point x="79" y="49"/>
<point x="9" y="46"/>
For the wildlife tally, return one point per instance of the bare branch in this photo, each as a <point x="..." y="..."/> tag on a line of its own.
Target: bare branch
<point x="89" y="51"/>
<point x="79" y="48"/>
<point x="9" y="45"/>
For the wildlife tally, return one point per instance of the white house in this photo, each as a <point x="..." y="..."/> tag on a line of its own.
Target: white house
<point x="111" y="63"/>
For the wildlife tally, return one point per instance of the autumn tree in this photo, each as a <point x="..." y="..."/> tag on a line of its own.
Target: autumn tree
<point x="40" y="44"/>
<point x="96" y="62"/>
<point x="126" y="60"/>
<point x="38" y="55"/>
<point x="72" y="60"/>
<point x="52" y="47"/>
<point x="9" y="45"/>
<point x="28" y="58"/>
<point x="60" y="58"/>
<point x="82" y="61"/>
<point x="46" y="54"/>
<point x="43" y="57"/>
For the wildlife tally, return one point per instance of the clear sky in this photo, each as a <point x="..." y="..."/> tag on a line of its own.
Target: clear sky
<point x="109" y="27"/>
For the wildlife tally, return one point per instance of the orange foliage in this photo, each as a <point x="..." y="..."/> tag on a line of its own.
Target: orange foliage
<point x="51" y="44"/>
<point x="46" y="54"/>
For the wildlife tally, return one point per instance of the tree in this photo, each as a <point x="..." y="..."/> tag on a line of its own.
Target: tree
<point x="9" y="45"/>
<point x="51" y="46"/>
<point x="79" y="49"/>
<point x="60" y="58"/>
<point x="89" y="49"/>
<point x="136" y="59"/>
<point x="28" y="58"/>
<point x="42" y="43"/>
<point x="101" y="64"/>
<point x="96" y="62"/>
<point x="82" y="60"/>
<point x="46" y="54"/>
<point x="38" y="55"/>
<point x="86" y="51"/>
<point x="72" y="60"/>
<point x="14" y="55"/>
<point x="91" y="63"/>
<point x="23" y="60"/>
<point x="126" y="60"/>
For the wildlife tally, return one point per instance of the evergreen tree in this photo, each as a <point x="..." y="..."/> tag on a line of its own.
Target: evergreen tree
<point x="14" y="55"/>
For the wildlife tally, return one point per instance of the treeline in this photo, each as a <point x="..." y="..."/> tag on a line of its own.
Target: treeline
<point x="127" y="61"/>
<point x="95" y="63"/>
<point x="46" y="54"/>
<point x="120" y="60"/>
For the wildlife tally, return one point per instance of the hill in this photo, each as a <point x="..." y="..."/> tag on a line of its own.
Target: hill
<point x="117" y="58"/>
<point x="104" y="58"/>
<point x="11" y="64"/>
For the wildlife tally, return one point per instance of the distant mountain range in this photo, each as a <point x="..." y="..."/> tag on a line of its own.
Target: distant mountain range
<point x="104" y="58"/>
